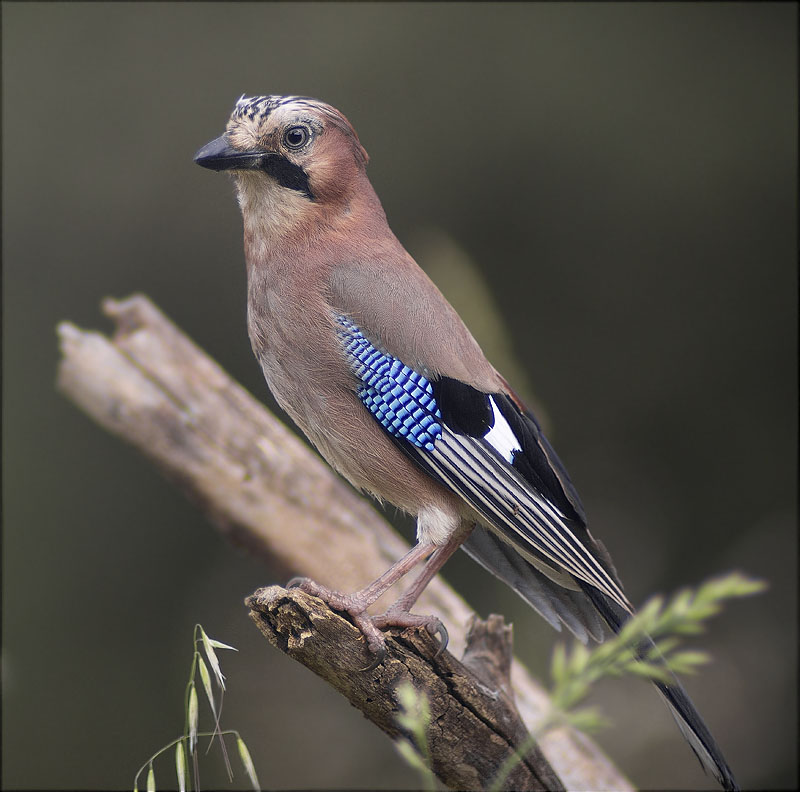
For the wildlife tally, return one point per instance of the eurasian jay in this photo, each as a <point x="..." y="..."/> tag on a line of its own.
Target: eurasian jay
<point x="368" y="358"/>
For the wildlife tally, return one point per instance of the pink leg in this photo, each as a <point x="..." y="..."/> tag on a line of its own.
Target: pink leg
<point x="399" y="614"/>
<point x="432" y="566"/>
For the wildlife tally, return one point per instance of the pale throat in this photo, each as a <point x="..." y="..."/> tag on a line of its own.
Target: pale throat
<point x="271" y="214"/>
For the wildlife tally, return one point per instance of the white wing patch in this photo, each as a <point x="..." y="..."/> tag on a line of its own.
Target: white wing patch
<point x="500" y="437"/>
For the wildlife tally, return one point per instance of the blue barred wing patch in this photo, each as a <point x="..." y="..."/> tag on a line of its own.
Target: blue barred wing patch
<point x="399" y="398"/>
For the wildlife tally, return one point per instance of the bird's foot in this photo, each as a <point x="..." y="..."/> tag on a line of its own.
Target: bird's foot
<point x="355" y="606"/>
<point x="338" y="600"/>
<point x="398" y="617"/>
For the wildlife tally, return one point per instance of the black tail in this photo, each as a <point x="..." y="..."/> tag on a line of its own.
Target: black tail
<point x="686" y="716"/>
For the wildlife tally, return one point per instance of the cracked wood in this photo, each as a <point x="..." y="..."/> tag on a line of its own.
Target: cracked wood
<point x="474" y="726"/>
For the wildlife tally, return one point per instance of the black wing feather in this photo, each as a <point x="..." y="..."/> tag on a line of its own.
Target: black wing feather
<point x="464" y="409"/>
<point x="532" y="512"/>
<point x="538" y="463"/>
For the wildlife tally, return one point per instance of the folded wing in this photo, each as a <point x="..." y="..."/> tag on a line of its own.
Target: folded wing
<point x="485" y="448"/>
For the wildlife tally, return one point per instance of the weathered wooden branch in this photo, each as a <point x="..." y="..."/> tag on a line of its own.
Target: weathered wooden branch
<point x="152" y="386"/>
<point x="474" y="728"/>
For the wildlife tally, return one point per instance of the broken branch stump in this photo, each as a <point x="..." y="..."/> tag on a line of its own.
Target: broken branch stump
<point x="473" y="729"/>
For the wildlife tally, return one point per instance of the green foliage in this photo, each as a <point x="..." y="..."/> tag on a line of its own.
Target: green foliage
<point x="574" y="671"/>
<point x="190" y="736"/>
<point x="413" y="718"/>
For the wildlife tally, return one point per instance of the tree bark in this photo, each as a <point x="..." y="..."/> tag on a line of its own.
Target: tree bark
<point x="152" y="386"/>
<point x="472" y="730"/>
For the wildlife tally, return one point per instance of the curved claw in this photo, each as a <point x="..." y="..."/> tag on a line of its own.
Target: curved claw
<point x="380" y="656"/>
<point x="296" y="582"/>
<point x="444" y="638"/>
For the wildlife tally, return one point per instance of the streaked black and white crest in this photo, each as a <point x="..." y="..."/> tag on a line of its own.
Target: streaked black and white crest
<point x="254" y="111"/>
<point x="257" y="108"/>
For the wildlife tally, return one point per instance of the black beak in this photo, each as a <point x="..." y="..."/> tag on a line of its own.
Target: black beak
<point x="219" y="155"/>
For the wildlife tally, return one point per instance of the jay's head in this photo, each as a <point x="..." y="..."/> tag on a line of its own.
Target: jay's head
<point x="290" y="156"/>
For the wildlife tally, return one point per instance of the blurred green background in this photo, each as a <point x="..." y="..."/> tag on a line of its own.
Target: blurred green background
<point x="624" y="178"/>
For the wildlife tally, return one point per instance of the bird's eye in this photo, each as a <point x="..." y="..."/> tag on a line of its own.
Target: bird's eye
<point x="296" y="137"/>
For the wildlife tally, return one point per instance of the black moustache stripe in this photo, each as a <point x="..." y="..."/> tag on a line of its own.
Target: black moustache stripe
<point x="287" y="174"/>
